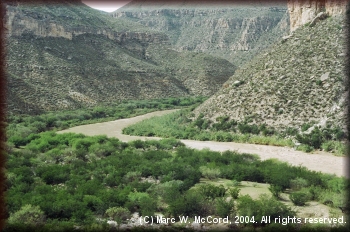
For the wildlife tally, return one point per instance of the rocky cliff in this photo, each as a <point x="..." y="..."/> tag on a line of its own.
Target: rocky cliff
<point x="68" y="56"/>
<point x="231" y="31"/>
<point x="298" y="80"/>
<point x="304" y="11"/>
<point x="23" y="21"/>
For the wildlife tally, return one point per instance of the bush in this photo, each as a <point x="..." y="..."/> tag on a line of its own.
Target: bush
<point x="332" y="199"/>
<point x="224" y="208"/>
<point x="132" y="176"/>
<point x="305" y="148"/>
<point x="301" y="197"/>
<point x="210" y="191"/>
<point x="18" y="141"/>
<point x="328" y="146"/>
<point x="276" y="190"/>
<point x="28" y="214"/>
<point x="143" y="202"/>
<point x="247" y="129"/>
<point x="118" y="214"/>
<point x="314" y="139"/>
<point x="298" y="183"/>
<point x="210" y="173"/>
<point x="305" y="127"/>
<point x="191" y="204"/>
<point x="235" y="183"/>
<point x="262" y="207"/>
<point x="234" y="192"/>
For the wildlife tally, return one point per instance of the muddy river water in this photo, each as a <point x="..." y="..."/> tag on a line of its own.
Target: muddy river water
<point x="317" y="161"/>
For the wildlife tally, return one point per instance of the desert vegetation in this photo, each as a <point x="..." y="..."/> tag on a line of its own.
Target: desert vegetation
<point x="68" y="181"/>
<point x="21" y="127"/>
<point x="182" y="125"/>
<point x="71" y="179"/>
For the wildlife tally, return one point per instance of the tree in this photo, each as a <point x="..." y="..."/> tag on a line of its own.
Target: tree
<point x="264" y="206"/>
<point x="28" y="214"/>
<point x="223" y="207"/>
<point x="234" y="192"/>
<point x="210" y="191"/>
<point x="118" y="214"/>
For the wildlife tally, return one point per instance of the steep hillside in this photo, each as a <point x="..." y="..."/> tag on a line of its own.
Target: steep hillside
<point x="302" y="12"/>
<point x="69" y="55"/>
<point x="298" y="80"/>
<point x="235" y="32"/>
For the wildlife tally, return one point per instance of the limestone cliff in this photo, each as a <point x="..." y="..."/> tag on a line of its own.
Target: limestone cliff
<point x="304" y="11"/>
<point x="69" y="55"/>
<point x="233" y="32"/>
<point x="23" y="21"/>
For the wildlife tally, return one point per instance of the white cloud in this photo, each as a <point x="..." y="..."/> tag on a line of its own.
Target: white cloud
<point x="108" y="6"/>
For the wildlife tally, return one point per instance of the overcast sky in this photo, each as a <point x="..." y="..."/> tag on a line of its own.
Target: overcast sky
<point x="107" y="6"/>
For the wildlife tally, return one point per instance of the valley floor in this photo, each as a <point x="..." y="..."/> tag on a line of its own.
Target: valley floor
<point x="317" y="161"/>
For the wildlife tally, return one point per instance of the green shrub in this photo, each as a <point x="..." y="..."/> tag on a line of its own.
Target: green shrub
<point x="305" y="148"/>
<point x="235" y="183"/>
<point x="234" y="192"/>
<point x="300" y="197"/>
<point x="262" y="207"/>
<point x="328" y="146"/>
<point x="314" y="139"/>
<point x="318" y="82"/>
<point x="18" y="141"/>
<point x="28" y="214"/>
<point x="132" y="176"/>
<point x="191" y="204"/>
<point x="210" y="173"/>
<point x="224" y="208"/>
<point x="305" y="127"/>
<point x="143" y="201"/>
<point x="276" y="190"/>
<point x="298" y="183"/>
<point x="210" y="191"/>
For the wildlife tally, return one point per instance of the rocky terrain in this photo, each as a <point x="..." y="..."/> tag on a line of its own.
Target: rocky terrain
<point x="298" y="80"/>
<point x="69" y="55"/>
<point x="236" y="32"/>
<point x="302" y="12"/>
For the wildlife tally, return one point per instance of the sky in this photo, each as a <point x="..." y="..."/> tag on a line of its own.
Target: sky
<point x="107" y="6"/>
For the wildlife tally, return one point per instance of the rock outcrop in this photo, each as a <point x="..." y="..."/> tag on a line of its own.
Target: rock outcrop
<point x="68" y="56"/>
<point x="304" y="11"/>
<point x="20" y="21"/>
<point x="233" y="32"/>
<point x="299" y="80"/>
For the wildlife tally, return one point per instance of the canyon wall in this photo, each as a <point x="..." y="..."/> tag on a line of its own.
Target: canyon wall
<point x="69" y="56"/>
<point x="233" y="32"/>
<point x="20" y="22"/>
<point x="304" y="11"/>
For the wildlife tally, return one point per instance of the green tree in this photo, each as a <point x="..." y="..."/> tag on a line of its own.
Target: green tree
<point x="234" y="192"/>
<point x="224" y="208"/>
<point x="210" y="191"/>
<point x="300" y="197"/>
<point x="261" y="207"/>
<point x="28" y="214"/>
<point x="118" y="214"/>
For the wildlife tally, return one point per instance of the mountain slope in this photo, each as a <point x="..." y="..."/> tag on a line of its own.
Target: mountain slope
<point x="235" y="32"/>
<point x="68" y="56"/>
<point x="298" y="80"/>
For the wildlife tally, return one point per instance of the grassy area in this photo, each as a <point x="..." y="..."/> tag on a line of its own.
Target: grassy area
<point x="180" y="125"/>
<point x="21" y="126"/>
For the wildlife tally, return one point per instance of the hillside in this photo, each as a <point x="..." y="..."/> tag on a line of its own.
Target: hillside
<point x="299" y="80"/>
<point x="69" y="55"/>
<point x="236" y="32"/>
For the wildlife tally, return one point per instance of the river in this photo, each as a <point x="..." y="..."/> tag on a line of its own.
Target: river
<point x="318" y="161"/>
